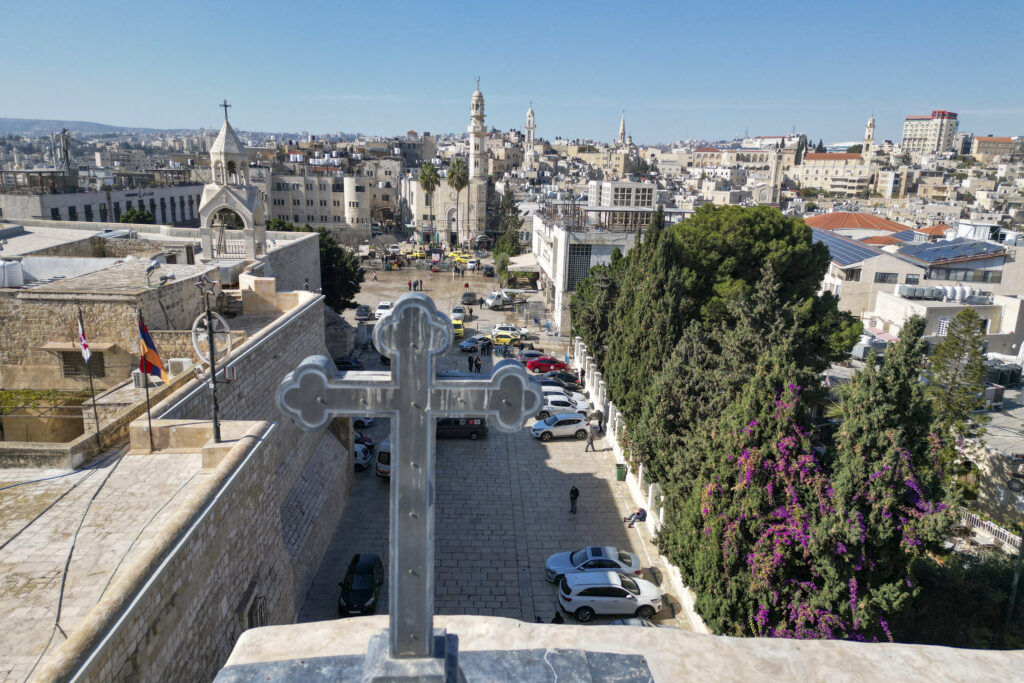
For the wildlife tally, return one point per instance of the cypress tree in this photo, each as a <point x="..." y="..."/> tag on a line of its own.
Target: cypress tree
<point x="957" y="377"/>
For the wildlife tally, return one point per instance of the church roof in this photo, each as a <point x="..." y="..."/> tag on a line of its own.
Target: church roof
<point x="227" y="141"/>
<point x="850" y="220"/>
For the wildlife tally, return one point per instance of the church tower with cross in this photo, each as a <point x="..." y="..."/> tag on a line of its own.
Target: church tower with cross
<point x="477" y="223"/>
<point x="230" y="205"/>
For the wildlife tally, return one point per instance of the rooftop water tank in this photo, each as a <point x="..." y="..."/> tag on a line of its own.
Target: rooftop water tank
<point x="958" y="293"/>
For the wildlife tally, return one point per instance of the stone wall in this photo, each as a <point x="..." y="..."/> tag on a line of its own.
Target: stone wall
<point x="244" y="550"/>
<point x="295" y="261"/>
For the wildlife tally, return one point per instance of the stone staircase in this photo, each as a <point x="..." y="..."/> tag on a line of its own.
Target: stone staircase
<point x="232" y="305"/>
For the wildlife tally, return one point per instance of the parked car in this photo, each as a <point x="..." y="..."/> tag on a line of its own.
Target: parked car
<point x="361" y="585"/>
<point x="361" y="456"/>
<point x="529" y="354"/>
<point x="559" y="391"/>
<point x="605" y="592"/>
<point x="556" y="405"/>
<point x="511" y="329"/>
<point x="458" y="313"/>
<point x="457" y="329"/>
<point x="472" y="264"/>
<point x="567" y="379"/>
<point x="488" y="271"/>
<point x="362" y="312"/>
<point x="383" y="308"/>
<point x="545" y="383"/>
<point x="394" y="249"/>
<point x="461" y="427"/>
<point x="593" y="558"/>
<point x="560" y="425"/>
<point x="470" y="344"/>
<point x="503" y="338"/>
<point x="362" y="422"/>
<point x="545" y="364"/>
<point x="364" y="439"/>
<point x="469" y="299"/>
<point x="632" y="621"/>
<point x="383" y="468"/>
<point x="348" y="363"/>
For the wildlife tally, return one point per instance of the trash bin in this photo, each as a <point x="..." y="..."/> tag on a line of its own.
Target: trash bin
<point x="620" y="472"/>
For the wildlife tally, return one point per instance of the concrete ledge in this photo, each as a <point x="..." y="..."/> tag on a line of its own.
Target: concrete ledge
<point x="671" y="654"/>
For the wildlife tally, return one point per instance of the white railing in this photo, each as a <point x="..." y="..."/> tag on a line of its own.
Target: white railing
<point x="997" y="532"/>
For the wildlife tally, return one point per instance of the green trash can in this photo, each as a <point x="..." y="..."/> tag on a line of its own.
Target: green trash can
<point x="620" y="472"/>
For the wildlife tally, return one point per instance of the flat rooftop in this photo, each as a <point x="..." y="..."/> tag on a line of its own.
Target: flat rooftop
<point x="123" y="278"/>
<point x="34" y="239"/>
<point x="1005" y="433"/>
<point x="135" y="496"/>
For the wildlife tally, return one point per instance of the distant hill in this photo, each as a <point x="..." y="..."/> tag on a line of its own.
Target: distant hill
<point x="36" y="127"/>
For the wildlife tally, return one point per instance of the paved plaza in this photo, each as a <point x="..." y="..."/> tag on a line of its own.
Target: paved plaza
<point x="502" y="501"/>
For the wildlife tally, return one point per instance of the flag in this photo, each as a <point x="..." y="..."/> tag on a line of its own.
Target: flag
<point x="150" y="362"/>
<point x="86" y="353"/>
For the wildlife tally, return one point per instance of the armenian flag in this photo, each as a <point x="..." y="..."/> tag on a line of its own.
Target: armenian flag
<point x="150" y="362"/>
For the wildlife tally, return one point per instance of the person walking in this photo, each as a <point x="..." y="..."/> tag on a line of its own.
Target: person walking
<point x="600" y="421"/>
<point x="375" y="276"/>
<point x="470" y="361"/>
<point x="574" y="494"/>
<point x="470" y="311"/>
<point x="479" y="363"/>
<point x="591" y="433"/>
<point x="410" y="285"/>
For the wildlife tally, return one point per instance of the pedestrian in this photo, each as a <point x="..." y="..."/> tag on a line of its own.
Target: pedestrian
<point x="470" y="311"/>
<point x="375" y="276"/>
<point x="466" y="286"/>
<point x="470" y="361"/>
<point x="591" y="433"/>
<point x="421" y="285"/>
<point x="600" y="421"/>
<point x="574" y="493"/>
<point x="479" y="363"/>
<point x="410" y="285"/>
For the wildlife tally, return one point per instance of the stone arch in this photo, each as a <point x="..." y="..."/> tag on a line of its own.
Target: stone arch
<point x="218" y="172"/>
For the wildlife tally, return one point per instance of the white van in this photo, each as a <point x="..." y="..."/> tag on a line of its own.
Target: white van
<point x="384" y="459"/>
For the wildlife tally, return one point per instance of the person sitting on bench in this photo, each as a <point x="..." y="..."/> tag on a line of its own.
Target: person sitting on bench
<point x="639" y="516"/>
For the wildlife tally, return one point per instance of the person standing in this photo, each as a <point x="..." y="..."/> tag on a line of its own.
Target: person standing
<point x="591" y="432"/>
<point x="410" y="285"/>
<point x="470" y="361"/>
<point x="479" y="363"/>
<point x="574" y="494"/>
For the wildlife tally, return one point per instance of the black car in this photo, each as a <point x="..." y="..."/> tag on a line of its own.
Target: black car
<point x="470" y="299"/>
<point x="566" y="379"/>
<point x="348" y="363"/>
<point x="361" y="584"/>
<point x="363" y="312"/>
<point x="461" y="427"/>
<point x="488" y="271"/>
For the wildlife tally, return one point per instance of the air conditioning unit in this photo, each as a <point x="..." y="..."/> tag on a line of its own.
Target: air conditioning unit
<point x="139" y="378"/>
<point x="176" y="366"/>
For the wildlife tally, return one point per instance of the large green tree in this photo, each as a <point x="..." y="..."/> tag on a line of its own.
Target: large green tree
<point x="458" y="180"/>
<point x="510" y="222"/>
<point x="429" y="181"/>
<point x="340" y="273"/>
<point x="957" y="376"/>
<point x="134" y="215"/>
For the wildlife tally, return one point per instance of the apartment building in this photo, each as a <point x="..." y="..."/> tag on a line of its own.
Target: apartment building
<point x="839" y="173"/>
<point x="987" y="148"/>
<point x="927" y="134"/>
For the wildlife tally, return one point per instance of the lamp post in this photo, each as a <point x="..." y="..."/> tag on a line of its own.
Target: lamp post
<point x="206" y="287"/>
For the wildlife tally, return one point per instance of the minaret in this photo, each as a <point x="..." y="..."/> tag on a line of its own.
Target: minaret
<point x="869" y="140"/>
<point x="528" y="147"/>
<point x="477" y="223"/>
<point x="622" y="129"/>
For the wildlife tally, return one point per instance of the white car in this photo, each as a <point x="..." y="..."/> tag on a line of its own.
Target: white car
<point x="606" y="592"/>
<point x="566" y="424"/>
<point x="361" y="455"/>
<point x="458" y="313"/>
<point x="472" y="264"/>
<point x="383" y="308"/>
<point x="394" y="249"/>
<point x="511" y="329"/>
<point x="574" y="395"/>
<point x="554" y="405"/>
<point x="593" y="558"/>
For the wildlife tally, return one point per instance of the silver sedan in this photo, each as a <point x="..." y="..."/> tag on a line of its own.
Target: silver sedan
<point x="593" y="558"/>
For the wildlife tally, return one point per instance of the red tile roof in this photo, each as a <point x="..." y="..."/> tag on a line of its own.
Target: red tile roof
<point x="849" y="220"/>
<point x="880" y="240"/>
<point x="829" y="156"/>
<point x="937" y="230"/>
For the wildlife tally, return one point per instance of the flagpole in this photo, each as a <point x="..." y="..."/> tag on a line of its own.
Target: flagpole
<point x="145" y="383"/>
<point x="92" y="392"/>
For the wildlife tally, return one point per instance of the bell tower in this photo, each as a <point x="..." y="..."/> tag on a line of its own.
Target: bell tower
<point x="869" y="140"/>
<point x="477" y="166"/>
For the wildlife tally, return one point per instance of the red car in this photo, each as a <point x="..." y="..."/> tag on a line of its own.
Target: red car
<point x="365" y="439"/>
<point x="545" y="364"/>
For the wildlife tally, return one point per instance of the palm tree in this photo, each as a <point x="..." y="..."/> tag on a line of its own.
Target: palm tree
<point x="429" y="181"/>
<point x="458" y="179"/>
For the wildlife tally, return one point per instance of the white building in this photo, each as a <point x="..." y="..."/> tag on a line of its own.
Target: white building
<point x="925" y="134"/>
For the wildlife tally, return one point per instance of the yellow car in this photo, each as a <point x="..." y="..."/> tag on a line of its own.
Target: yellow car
<point x="457" y="329"/>
<point x="503" y="338"/>
<point x="461" y="259"/>
<point x="418" y="252"/>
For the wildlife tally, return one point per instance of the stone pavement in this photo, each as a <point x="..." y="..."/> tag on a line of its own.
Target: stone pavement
<point x="502" y="504"/>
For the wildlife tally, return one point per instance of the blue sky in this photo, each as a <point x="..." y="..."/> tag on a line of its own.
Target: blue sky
<point x="678" y="69"/>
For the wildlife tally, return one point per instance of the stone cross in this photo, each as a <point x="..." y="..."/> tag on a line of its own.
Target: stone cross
<point x="412" y="395"/>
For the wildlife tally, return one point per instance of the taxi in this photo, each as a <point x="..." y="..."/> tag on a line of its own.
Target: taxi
<point x="503" y="338"/>
<point x="457" y="329"/>
<point x="460" y="258"/>
<point x="419" y="252"/>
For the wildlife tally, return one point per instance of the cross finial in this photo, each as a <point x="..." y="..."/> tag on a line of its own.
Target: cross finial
<point x="477" y="82"/>
<point x="225" y="106"/>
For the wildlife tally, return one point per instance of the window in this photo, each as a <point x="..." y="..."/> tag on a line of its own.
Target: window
<point x="913" y="279"/>
<point x="117" y="211"/>
<point x="360" y="188"/>
<point x="88" y="213"/>
<point x="256" y="616"/>
<point x="887" y="278"/>
<point x="578" y="266"/>
<point x="72" y="365"/>
<point x="103" y="213"/>
<point x="55" y="214"/>
<point x="852" y="275"/>
<point x="943" y="327"/>
<point x="295" y="202"/>
<point x="72" y="213"/>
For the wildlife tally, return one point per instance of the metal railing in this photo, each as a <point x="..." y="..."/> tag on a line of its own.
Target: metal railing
<point x="973" y="521"/>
